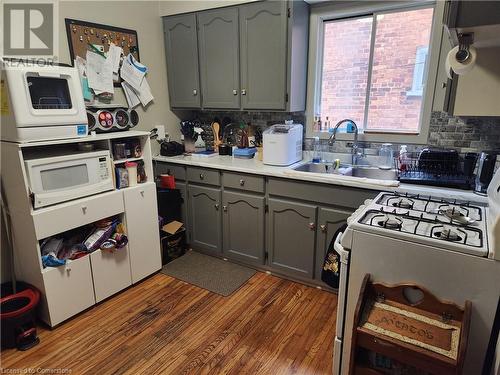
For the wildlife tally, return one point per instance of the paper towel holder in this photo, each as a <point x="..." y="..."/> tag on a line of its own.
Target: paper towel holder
<point x="464" y="42"/>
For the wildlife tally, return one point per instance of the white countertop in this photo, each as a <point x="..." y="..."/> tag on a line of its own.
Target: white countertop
<point x="254" y="166"/>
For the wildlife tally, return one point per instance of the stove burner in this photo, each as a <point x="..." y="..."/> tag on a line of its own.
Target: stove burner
<point x="448" y="235"/>
<point x="404" y="203"/>
<point x="451" y="212"/>
<point x="390" y="222"/>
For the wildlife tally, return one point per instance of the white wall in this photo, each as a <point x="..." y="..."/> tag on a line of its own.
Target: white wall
<point x="142" y="16"/>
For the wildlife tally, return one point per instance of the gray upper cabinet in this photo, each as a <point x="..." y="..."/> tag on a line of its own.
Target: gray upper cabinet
<point x="329" y="221"/>
<point x="181" y="49"/>
<point x="243" y="227"/>
<point x="291" y="236"/>
<point x="219" y="60"/>
<point x="249" y="57"/>
<point x="263" y="35"/>
<point x="205" y="218"/>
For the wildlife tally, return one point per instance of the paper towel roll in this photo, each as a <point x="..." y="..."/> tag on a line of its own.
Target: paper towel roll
<point x="460" y="68"/>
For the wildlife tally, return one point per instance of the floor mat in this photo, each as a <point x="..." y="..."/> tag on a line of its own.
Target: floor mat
<point x="213" y="274"/>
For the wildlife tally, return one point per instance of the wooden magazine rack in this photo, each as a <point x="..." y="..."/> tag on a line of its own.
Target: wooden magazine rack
<point x="406" y="327"/>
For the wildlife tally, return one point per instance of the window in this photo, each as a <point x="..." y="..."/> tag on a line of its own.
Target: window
<point x="373" y="70"/>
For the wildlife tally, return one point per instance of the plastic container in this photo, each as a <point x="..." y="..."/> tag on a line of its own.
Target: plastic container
<point x="403" y="158"/>
<point x="386" y="156"/>
<point x="132" y="173"/>
<point x="316" y="150"/>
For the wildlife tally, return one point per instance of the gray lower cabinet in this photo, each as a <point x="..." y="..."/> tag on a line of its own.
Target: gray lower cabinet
<point x="243" y="227"/>
<point x="205" y="218"/>
<point x="219" y="61"/>
<point x="263" y="55"/>
<point x="181" y="49"/>
<point x="329" y="221"/>
<point x="291" y="237"/>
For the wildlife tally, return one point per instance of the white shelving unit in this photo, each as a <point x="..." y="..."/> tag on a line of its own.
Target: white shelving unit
<point x="76" y="286"/>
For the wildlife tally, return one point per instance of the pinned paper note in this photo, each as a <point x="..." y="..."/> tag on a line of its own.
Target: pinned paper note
<point x="132" y="98"/>
<point x="99" y="73"/>
<point x="133" y="72"/>
<point x="114" y="54"/>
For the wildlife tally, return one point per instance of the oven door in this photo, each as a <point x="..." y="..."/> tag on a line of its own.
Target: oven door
<point x="46" y="96"/>
<point x="53" y="182"/>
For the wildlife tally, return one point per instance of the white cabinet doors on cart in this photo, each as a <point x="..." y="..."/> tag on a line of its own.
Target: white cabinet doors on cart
<point x="142" y="228"/>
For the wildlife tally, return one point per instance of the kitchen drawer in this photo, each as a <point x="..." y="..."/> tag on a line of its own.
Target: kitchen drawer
<point x="203" y="176"/>
<point x="69" y="215"/>
<point x="243" y="181"/>
<point x="178" y="171"/>
<point x="336" y="195"/>
<point x="68" y="289"/>
<point x="111" y="272"/>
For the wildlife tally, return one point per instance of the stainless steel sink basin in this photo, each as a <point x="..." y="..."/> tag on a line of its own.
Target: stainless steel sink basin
<point x="375" y="173"/>
<point x="357" y="171"/>
<point x="316" y="167"/>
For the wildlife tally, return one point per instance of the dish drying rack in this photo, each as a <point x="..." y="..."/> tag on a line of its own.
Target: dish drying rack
<point x="446" y="170"/>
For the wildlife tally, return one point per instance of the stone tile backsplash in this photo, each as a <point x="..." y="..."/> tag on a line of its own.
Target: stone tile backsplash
<point x="472" y="134"/>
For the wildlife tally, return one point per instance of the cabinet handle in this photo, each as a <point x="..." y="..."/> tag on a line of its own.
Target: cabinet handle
<point x="68" y="270"/>
<point x="224" y="208"/>
<point x="84" y="209"/>
<point x="243" y="91"/>
<point x="195" y="92"/>
<point x="312" y="226"/>
<point x="235" y="92"/>
<point x="242" y="182"/>
<point x="323" y="228"/>
<point x="216" y="206"/>
<point x="142" y="193"/>
<point x="202" y="176"/>
<point x="443" y="85"/>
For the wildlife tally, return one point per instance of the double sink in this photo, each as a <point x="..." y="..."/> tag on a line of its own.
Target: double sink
<point x="365" y="171"/>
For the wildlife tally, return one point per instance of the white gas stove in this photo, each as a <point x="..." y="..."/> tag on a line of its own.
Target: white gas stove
<point x="447" y="246"/>
<point x="443" y="223"/>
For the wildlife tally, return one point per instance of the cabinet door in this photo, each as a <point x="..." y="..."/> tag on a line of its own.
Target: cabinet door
<point x="141" y="215"/>
<point x="243" y="227"/>
<point x="219" y="60"/>
<point x="181" y="49"/>
<point x="205" y="218"/>
<point x="263" y="55"/>
<point x="68" y="290"/>
<point x="329" y="221"/>
<point x="443" y="88"/>
<point x="110" y="271"/>
<point x="291" y="233"/>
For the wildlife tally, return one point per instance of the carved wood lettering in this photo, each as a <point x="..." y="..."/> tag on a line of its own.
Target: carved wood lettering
<point x="411" y="328"/>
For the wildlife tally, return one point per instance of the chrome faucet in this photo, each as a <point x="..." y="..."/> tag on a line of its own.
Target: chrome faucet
<point x="354" y="150"/>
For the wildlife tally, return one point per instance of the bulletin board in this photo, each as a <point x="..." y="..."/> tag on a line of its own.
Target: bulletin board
<point x="81" y="33"/>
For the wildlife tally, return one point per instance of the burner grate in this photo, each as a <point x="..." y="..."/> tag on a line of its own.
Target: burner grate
<point x="378" y="218"/>
<point x="391" y="200"/>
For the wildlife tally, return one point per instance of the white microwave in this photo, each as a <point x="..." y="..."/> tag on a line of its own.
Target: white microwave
<point x="43" y="103"/>
<point x="58" y="178"/>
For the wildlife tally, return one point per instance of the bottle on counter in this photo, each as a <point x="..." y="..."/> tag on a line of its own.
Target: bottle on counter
<point x="316" y="150"/>
<point x="403" y="158"/>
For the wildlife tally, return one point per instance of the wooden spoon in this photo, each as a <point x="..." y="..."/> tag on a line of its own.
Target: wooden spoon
<point x="215" y="130"/>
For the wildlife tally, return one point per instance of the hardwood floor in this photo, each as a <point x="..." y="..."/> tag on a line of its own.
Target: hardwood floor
<point x="166" y="326"/>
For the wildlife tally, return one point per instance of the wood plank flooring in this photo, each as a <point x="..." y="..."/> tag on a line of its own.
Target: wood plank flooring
<point x="166" y="326"/>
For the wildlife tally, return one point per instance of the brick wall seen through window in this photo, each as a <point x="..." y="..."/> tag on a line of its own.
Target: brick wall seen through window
<point x="389" y="97"/>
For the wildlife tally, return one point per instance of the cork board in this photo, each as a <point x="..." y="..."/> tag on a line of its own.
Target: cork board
<point x="81" y="33"/>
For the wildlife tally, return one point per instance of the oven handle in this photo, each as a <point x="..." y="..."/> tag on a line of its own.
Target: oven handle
<point x="344" y="254"/>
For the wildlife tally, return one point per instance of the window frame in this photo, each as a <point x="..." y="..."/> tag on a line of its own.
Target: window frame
<point x="323" y="13"/>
